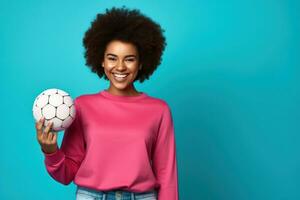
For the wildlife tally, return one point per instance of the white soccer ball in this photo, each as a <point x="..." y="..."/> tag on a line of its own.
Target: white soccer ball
<point x="55" y="105"/>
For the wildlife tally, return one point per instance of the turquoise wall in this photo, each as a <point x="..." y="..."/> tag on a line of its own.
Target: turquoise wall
<point x="230" y="74"/>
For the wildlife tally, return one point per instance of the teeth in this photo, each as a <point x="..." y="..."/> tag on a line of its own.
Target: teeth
<point x="120" y="75"/>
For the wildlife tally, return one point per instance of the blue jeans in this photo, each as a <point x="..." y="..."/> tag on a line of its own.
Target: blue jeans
<point x="83" y="193"/>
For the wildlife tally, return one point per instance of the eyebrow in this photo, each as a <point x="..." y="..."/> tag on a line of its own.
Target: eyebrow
<point x="110" y="54"/>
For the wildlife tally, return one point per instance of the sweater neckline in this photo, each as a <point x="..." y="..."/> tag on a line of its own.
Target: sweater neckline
<point x="114" y="97"/>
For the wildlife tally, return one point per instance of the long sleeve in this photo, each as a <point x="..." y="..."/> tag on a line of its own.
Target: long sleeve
<point x="118" y="142"/>
<point x="164" y="158"/>
<point x="63" y="164"/>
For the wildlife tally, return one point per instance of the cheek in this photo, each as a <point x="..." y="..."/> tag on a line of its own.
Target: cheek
<point x="108" y="68"/>
<point x="107" y="73"/>
<point x="109" y="65"/>
<point x="133" y="67"/>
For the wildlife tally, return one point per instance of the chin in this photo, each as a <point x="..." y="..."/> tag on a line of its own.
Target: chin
<point x="120" y="87"/>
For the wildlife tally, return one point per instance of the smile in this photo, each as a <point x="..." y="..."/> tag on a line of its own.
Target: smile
<point x="120" y="77"/>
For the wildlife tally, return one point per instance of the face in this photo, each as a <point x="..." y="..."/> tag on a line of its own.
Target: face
<point x="121" y="66"/>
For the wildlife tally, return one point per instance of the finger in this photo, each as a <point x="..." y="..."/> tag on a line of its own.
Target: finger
<point x="49" y="137"/>
<point x="54" y="137"/>
<point x="39" y="123"/>
<point x="47" y="129"/>
<point x="39" y="126"/>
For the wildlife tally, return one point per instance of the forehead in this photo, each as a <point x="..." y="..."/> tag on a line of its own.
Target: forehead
<point x="121" y="48"/>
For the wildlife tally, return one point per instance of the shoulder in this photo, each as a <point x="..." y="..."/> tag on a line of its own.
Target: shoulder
<point x="162" y="104"/>
<point x="156" y="99"/>
<point x="86" y="97"/>
<point x="83" y="99"/>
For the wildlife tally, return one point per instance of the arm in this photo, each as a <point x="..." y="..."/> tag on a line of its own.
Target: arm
<point x="63" y="164"/>
<point x="164" y="158"/>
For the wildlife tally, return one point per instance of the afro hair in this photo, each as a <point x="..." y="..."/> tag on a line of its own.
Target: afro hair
<point x="128" y="26"/>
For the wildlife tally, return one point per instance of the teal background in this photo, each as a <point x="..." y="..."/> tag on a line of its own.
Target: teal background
<point x="230" y="74"/>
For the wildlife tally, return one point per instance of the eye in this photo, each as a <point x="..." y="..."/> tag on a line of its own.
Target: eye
<point x="111" y="58"/>
<point x="130" y="59"/>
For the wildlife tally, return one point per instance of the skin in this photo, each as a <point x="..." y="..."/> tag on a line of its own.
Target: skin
<point x="46" y="138"/>
<point x="121" y="57"/>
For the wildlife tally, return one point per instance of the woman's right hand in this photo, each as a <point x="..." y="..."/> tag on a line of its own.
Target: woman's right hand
<point x="46" y="138"/>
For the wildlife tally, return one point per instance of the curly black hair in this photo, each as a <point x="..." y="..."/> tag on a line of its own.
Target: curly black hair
<point x="128" y="26"/>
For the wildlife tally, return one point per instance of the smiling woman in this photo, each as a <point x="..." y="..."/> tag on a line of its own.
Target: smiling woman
<point x="122" y="33"/>
<point x="121" y="144"/>
<point x="121" y="65"/>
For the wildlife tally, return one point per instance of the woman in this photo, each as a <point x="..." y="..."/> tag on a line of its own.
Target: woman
<point x="121" y="144"/>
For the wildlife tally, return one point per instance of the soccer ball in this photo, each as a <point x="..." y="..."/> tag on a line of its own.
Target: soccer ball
<point x="55" y="105"/>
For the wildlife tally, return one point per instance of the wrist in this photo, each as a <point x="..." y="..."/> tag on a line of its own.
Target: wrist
<point x="49" y="150"/>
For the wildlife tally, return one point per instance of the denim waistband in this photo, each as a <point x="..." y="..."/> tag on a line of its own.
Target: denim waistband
<point x="115" y="192"/>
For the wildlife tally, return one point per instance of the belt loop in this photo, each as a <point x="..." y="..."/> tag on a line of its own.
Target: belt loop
<point x="103" y="196"/>
<point x="132" y="196"/>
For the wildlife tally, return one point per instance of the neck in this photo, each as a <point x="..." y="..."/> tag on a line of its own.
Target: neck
<point x="131" y="91"/>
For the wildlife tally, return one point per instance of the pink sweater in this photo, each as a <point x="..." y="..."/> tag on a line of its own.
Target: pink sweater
<point x="118" y="142"/>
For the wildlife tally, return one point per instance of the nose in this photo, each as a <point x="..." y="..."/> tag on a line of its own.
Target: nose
<point x="121" y="66"/>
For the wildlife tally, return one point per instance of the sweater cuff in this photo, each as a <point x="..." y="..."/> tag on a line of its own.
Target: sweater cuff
<point x="53" y="158"/>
